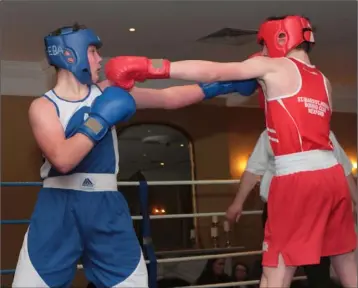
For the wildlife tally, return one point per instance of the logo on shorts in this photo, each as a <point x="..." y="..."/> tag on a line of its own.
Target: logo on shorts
<point x="87" y="183"/>
<point x="265" y="246"/>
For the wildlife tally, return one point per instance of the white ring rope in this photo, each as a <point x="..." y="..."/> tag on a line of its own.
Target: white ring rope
<point x="236" y="284"/>
<point x="207" y="257"/>
<point x="185" y="182"/>
<point x="195" y="215"/>
<point x="200" y="251"/>
<point x="202" y="257"/>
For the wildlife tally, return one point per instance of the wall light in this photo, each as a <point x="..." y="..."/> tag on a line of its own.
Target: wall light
<point x="131" y="29"/>
<point x="241" y="163"/>
<point x="158" y="210"/>
<point x="354" y="166"/>
<point x="238" y="165"/>
<point x="162" y="164"/>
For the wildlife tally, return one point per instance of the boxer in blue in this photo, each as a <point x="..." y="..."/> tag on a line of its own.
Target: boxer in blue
<point x="79" y="212"/>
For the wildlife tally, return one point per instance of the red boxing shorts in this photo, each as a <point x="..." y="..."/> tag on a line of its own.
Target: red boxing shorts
<point x="309" y="210"/>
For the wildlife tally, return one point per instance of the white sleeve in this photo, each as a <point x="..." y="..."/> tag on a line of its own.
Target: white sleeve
<point x="259" y="159"/>
<point x="341" y="156"/>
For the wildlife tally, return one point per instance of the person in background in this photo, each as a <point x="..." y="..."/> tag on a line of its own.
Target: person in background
<point x="213" y="273"/>
<point x="240" y="273"/>
<point x="261" y="165"/>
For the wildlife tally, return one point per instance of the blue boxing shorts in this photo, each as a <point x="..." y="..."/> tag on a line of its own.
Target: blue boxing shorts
<point x="91" y="224"/>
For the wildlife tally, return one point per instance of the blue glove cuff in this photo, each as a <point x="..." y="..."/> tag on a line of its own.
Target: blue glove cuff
<point x="94" y="128"/>
<point x="243" y="87"/>
<point x="211" y="90"/>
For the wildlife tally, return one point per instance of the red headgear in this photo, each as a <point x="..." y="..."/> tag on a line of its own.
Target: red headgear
<point x="292" y="30"/>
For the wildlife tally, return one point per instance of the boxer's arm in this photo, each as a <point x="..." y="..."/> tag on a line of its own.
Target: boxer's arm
<point x="343" y="159"/>
<point x="168" y="98"/>
<point x="340" y="155"/>
<point x="258" y="162"/>
<point x="64" y="154"/>
<point x="255" y="167"/>
<point x="248" y="181"/>
<point x="329" y="92"/>
<point x="182" y="96"/>
<point x="206" y="71"/>
<point x="352" y="188"/>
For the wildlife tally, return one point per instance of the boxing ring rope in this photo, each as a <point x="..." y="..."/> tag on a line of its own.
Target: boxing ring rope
<point x="137" y="183"/>
<point x="240" y="283"/>
<point x="207" y="257"/>
<point x="183" y="259"/>
<point x="168" y="216"/>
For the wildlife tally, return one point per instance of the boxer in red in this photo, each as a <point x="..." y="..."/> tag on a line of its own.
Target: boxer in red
<point x="309" y="205"/>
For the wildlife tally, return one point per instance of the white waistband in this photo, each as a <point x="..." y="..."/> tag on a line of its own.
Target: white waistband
<point x="304" y="161"/>
<point x="83" y="182"/>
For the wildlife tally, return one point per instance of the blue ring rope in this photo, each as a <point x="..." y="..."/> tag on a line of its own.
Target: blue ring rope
<point x="7" y="271"/>
<point x="20" y="184"/>
<point x="146" y="234"/>
<point x="17" y="221"/>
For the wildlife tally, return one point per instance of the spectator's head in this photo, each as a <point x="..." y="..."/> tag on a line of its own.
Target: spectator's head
<point x="213" y="272"/>
<point x="240" y="272"/>
<point x="217" y="266"/>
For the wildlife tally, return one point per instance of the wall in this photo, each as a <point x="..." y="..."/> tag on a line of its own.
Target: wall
<point x="219" y="136"/>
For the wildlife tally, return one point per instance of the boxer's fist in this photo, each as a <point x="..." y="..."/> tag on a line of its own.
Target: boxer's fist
<point x="234" y="212"/>
<point x="243" y="87"/>
<point x="123" y="71"/>
<point x="113" y="106"/>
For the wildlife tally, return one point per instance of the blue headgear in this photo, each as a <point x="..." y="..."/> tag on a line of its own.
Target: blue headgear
<point x="69" y="51"/>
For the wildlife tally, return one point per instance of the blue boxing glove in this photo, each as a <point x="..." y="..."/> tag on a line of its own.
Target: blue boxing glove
<point x="243" y="87"/>
<point x="113" y="106"/>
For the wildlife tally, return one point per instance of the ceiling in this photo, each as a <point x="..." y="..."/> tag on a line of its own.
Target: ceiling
<point x="171" y="29"/>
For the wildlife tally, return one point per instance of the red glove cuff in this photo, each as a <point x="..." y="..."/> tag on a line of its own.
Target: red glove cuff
<point x="158" y="69"/>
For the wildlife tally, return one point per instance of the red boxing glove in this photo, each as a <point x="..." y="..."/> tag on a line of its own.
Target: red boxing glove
<point x="123" y="71"/>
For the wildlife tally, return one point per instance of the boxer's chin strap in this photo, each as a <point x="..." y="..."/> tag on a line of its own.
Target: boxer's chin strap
<point x="147" y="239"/>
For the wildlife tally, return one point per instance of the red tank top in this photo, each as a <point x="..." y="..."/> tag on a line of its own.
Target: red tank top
<point x="301" y="121"/>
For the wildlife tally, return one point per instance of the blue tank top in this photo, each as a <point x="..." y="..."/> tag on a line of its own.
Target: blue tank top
<point x="103" y="158"/>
